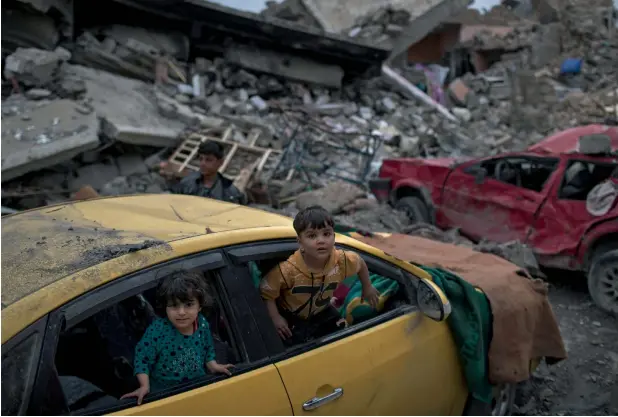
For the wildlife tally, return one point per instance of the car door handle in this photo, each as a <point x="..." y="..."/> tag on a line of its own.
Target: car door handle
<point x="316" y="402"/>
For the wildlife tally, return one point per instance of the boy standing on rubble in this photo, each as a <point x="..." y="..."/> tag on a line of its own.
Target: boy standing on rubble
<point x="208" y="182"/>
<point x="298" y="291"/>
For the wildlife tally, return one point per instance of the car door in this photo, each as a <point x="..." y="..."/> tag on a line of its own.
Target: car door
<point x="564" y="219"/>
<point x="488" y="207"/>
<point x="508" y="209"/>
<point x="458" y="204"/>
<point x="255" y="386"/>
<point x="398" y="363"/>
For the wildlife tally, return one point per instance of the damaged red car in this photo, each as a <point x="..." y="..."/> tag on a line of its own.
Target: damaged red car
<point x="558" y="196"/>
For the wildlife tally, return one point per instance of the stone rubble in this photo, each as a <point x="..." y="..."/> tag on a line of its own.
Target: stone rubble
<point x="341" y="132"/>
<point x="380" y="27"/>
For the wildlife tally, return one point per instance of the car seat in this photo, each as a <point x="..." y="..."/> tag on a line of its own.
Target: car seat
<point x="579" y="186"/>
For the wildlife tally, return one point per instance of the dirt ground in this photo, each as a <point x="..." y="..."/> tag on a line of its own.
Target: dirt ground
<point x="583" y="383"/>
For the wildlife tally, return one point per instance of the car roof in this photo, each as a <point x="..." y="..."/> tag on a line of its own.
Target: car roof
<point x="567" y="141"/>
<point x="42" y="246"/>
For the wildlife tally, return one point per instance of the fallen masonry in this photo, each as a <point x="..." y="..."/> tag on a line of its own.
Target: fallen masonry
<point x="323" y="126"/>
<point x="37" y="135"/>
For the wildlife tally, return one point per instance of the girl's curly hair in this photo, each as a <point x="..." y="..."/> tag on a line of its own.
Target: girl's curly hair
<point x="182" y="286"/>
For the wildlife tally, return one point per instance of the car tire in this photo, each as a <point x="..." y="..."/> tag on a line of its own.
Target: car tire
<point x="415" y="208"/>
<point x="603" y="280"/>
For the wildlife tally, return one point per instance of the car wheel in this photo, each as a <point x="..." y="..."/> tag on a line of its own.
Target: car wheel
<point x="504" y="397"/>
<point x="415" y="208"/>
<point x="603" y="281"/>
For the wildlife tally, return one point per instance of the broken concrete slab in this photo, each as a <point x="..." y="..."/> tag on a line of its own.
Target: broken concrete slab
<point x="41" y="134"/>
<point x="35" y="67"/>
<point x="129" y="164"/>
<point x="128" y="108"/>
<point x="333" y="197"/>
<point x="170" y="43"/>
<point x="140" y="135"/>
<point x="285" y="65"/>
<point x="95" y="175"/>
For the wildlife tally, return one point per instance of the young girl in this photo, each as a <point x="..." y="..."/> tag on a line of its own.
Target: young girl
<point x="175" y="348"/>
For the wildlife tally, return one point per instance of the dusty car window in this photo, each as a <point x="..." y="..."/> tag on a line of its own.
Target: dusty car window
<point x="580" y="177"/>
<point x="95" y="358"/>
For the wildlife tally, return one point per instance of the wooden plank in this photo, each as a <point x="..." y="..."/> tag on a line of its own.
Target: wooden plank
<point x="254" y="135"/>
<point x="228" y="158"/>
<point x="189" y="158"/>
<point x="227" y="134"/>
<point x="244" y="177"/>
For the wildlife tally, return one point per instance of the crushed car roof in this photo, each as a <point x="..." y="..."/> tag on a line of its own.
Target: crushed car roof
<point x="45" y="245"/>
<point x="567" y="141"/>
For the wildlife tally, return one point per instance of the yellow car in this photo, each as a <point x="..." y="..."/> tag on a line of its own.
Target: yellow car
<point x="77" y="283"/>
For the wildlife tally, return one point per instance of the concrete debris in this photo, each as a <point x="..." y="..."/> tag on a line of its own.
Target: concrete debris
<point x="38" y="93"/>
<point x="127" y="108"/>
<point x="35" y="67"/>
<point x="429" y="231"/>
<point x="95" y="175"/>
<point x="284" y="65"/>
<point x="149" y="183"/>
<point x="380" y="27"/>
<point x="172" y="44"/>
<point x="128" y="56"/>
<point x="372" y="217"/>
<point x="515" y="252"/>
<point x="342" y="128"/>
<point x="344" y="18"/>
<point x="334" y="197"/>
<point x="40" y="134"/>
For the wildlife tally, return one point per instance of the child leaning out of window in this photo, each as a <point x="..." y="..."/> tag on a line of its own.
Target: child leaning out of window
<point x="175" y="348"/>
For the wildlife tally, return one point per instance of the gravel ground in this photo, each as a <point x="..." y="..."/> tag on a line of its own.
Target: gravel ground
<point x="584" y="382"/>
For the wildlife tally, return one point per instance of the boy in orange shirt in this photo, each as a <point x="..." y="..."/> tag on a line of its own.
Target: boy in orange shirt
<point x="298" y="291"/>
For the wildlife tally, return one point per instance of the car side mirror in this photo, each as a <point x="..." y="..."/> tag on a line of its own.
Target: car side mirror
<point x="432" y="301"/>
<point x="479" y="176"/>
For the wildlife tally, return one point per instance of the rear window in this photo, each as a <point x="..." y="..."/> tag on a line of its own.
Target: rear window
<point x="580" y="177"/>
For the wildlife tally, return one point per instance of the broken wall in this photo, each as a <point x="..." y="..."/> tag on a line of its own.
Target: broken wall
<point x="432" y="48"/>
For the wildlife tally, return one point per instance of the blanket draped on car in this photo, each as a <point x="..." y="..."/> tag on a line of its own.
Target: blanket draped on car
<point x="524" y="327"/>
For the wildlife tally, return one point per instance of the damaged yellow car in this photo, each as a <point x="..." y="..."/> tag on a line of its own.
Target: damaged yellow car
<point x="77" y="282"/>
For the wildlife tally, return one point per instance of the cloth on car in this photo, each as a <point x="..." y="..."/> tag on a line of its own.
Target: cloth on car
<point x="470" y="324"/>
<point x="349" y="302"/>
<point x="524" y="326"/>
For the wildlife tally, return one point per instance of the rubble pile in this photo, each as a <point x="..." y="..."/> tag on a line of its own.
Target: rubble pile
<point x="381" y="26"/>
<point x="330" y="124"/>
<point x="129" y="92"/>
<point x="123" y="51"/>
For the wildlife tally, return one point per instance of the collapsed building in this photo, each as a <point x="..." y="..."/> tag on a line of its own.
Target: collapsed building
<point x="306" y="94"/>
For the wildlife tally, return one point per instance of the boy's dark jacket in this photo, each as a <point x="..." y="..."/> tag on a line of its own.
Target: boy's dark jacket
<point x="223" y="189"/>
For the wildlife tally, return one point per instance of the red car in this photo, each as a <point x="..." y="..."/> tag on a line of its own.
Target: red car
<point x="558" y="196"/>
